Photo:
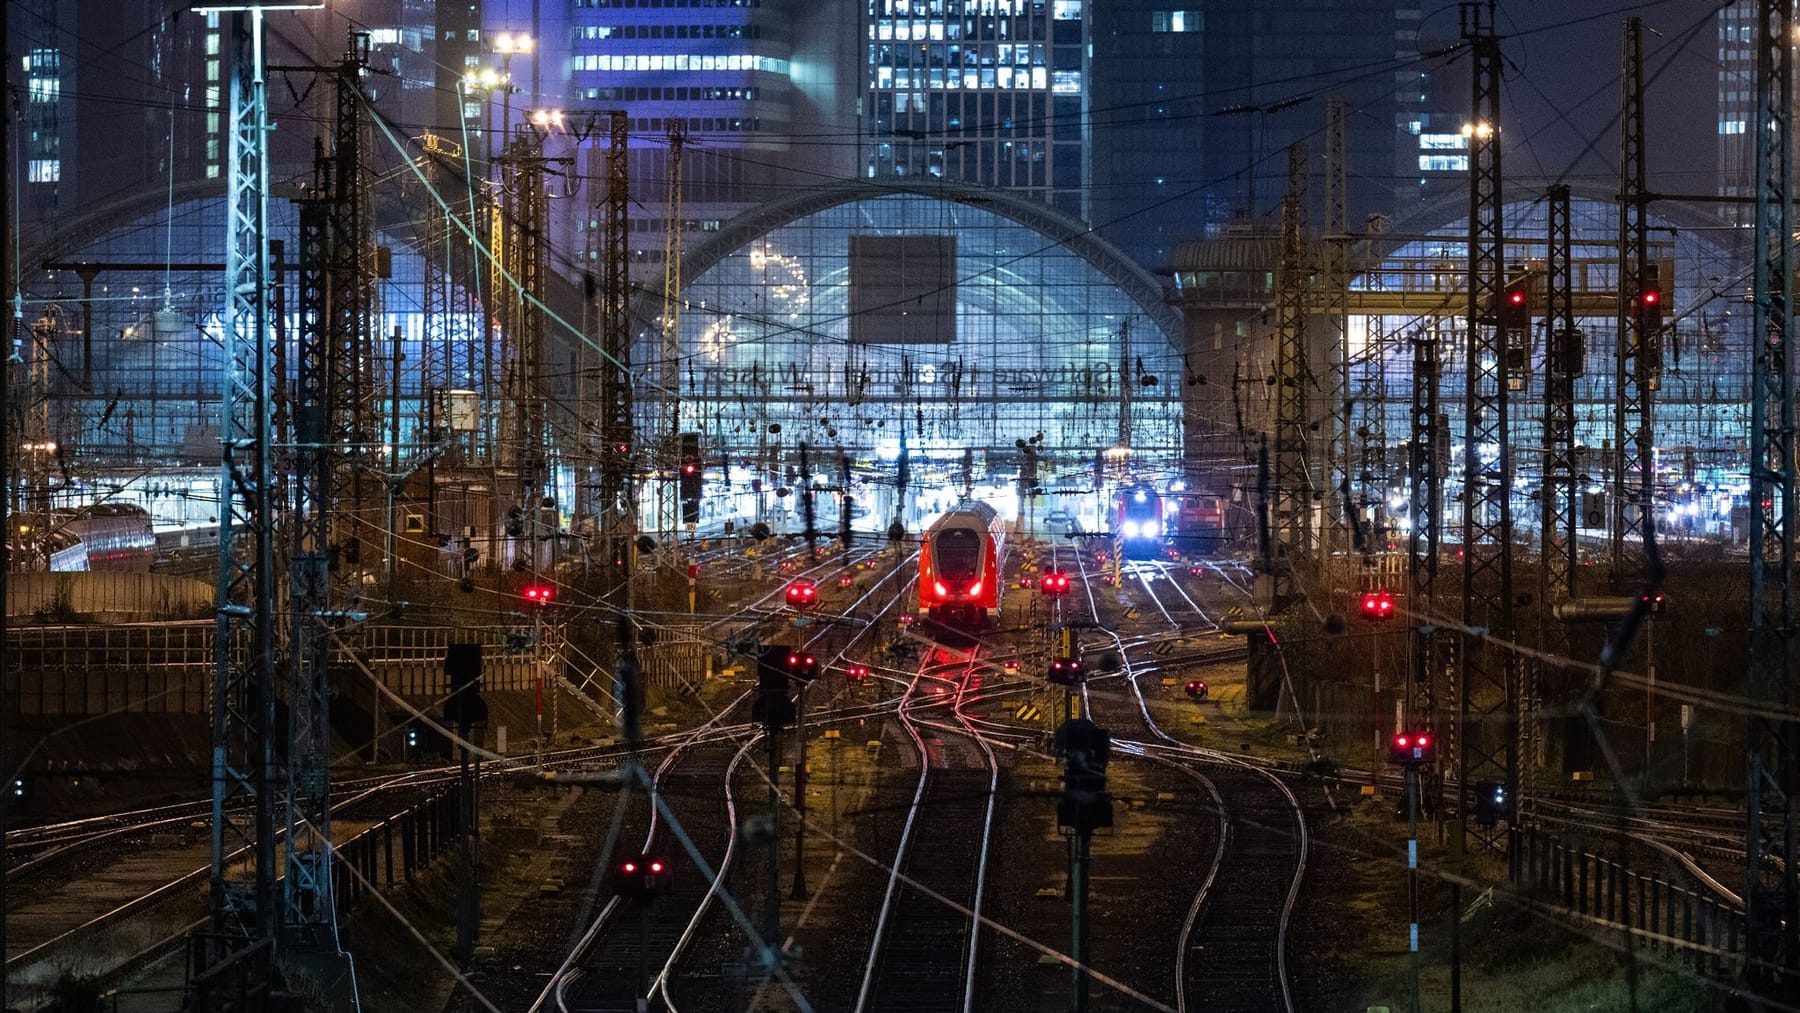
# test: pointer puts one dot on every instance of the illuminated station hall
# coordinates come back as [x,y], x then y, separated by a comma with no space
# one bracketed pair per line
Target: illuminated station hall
[901,505]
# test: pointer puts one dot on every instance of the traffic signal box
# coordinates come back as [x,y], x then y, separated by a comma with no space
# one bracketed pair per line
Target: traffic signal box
[1514,311]
[1379,606]
[1492,803]
[1412,749]
[643,877]
[802,666]
[1514,317]
[690,478]
[1647,312]
[1066,671]
[1647,302]
[1085,749]
[772,706]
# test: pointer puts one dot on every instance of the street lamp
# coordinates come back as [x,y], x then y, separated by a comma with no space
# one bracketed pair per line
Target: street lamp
[508,45]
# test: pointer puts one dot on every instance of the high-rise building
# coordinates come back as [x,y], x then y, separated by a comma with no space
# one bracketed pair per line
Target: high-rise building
[1192,111]
[1737,106]
[991,92]
[763,89]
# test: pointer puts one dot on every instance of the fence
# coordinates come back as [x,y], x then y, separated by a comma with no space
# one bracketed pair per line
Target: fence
[168,668]
[1689,923]
[671,661]
[393,851]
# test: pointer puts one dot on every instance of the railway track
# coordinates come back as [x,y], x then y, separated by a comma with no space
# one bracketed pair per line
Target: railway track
[627,953]
[1231,950]
[927,936]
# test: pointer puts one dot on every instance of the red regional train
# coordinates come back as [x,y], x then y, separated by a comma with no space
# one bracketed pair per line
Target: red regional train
[960,566]
[1139,529]
[1200,522]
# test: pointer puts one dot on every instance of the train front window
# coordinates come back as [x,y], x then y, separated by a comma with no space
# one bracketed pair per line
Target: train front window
[958,552]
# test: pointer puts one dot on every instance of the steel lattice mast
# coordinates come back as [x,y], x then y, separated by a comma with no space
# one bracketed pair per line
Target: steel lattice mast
[349,390]
[1425,480]
[306,885]
[1293,480]
[1563,355]
[668,513]
[1485,747]
[1373,476]
[1637,365]
[617,516]
[233,965]
[527,221]
[1772,912]
[1336,249]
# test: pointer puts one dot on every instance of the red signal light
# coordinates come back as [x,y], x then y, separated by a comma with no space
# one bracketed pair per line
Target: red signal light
[1411,749]
[1652,297]
[1515,297]
[1378,605]
[689,468]
[539,594]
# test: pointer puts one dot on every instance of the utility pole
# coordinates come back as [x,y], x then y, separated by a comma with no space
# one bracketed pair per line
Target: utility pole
[1293,478]
[1771,900]
[1638,362]
[1486,746]
[1564,353]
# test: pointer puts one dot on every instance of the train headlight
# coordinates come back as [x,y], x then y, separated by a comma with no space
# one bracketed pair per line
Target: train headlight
[975,587]
[1152,529]
[1131,529]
